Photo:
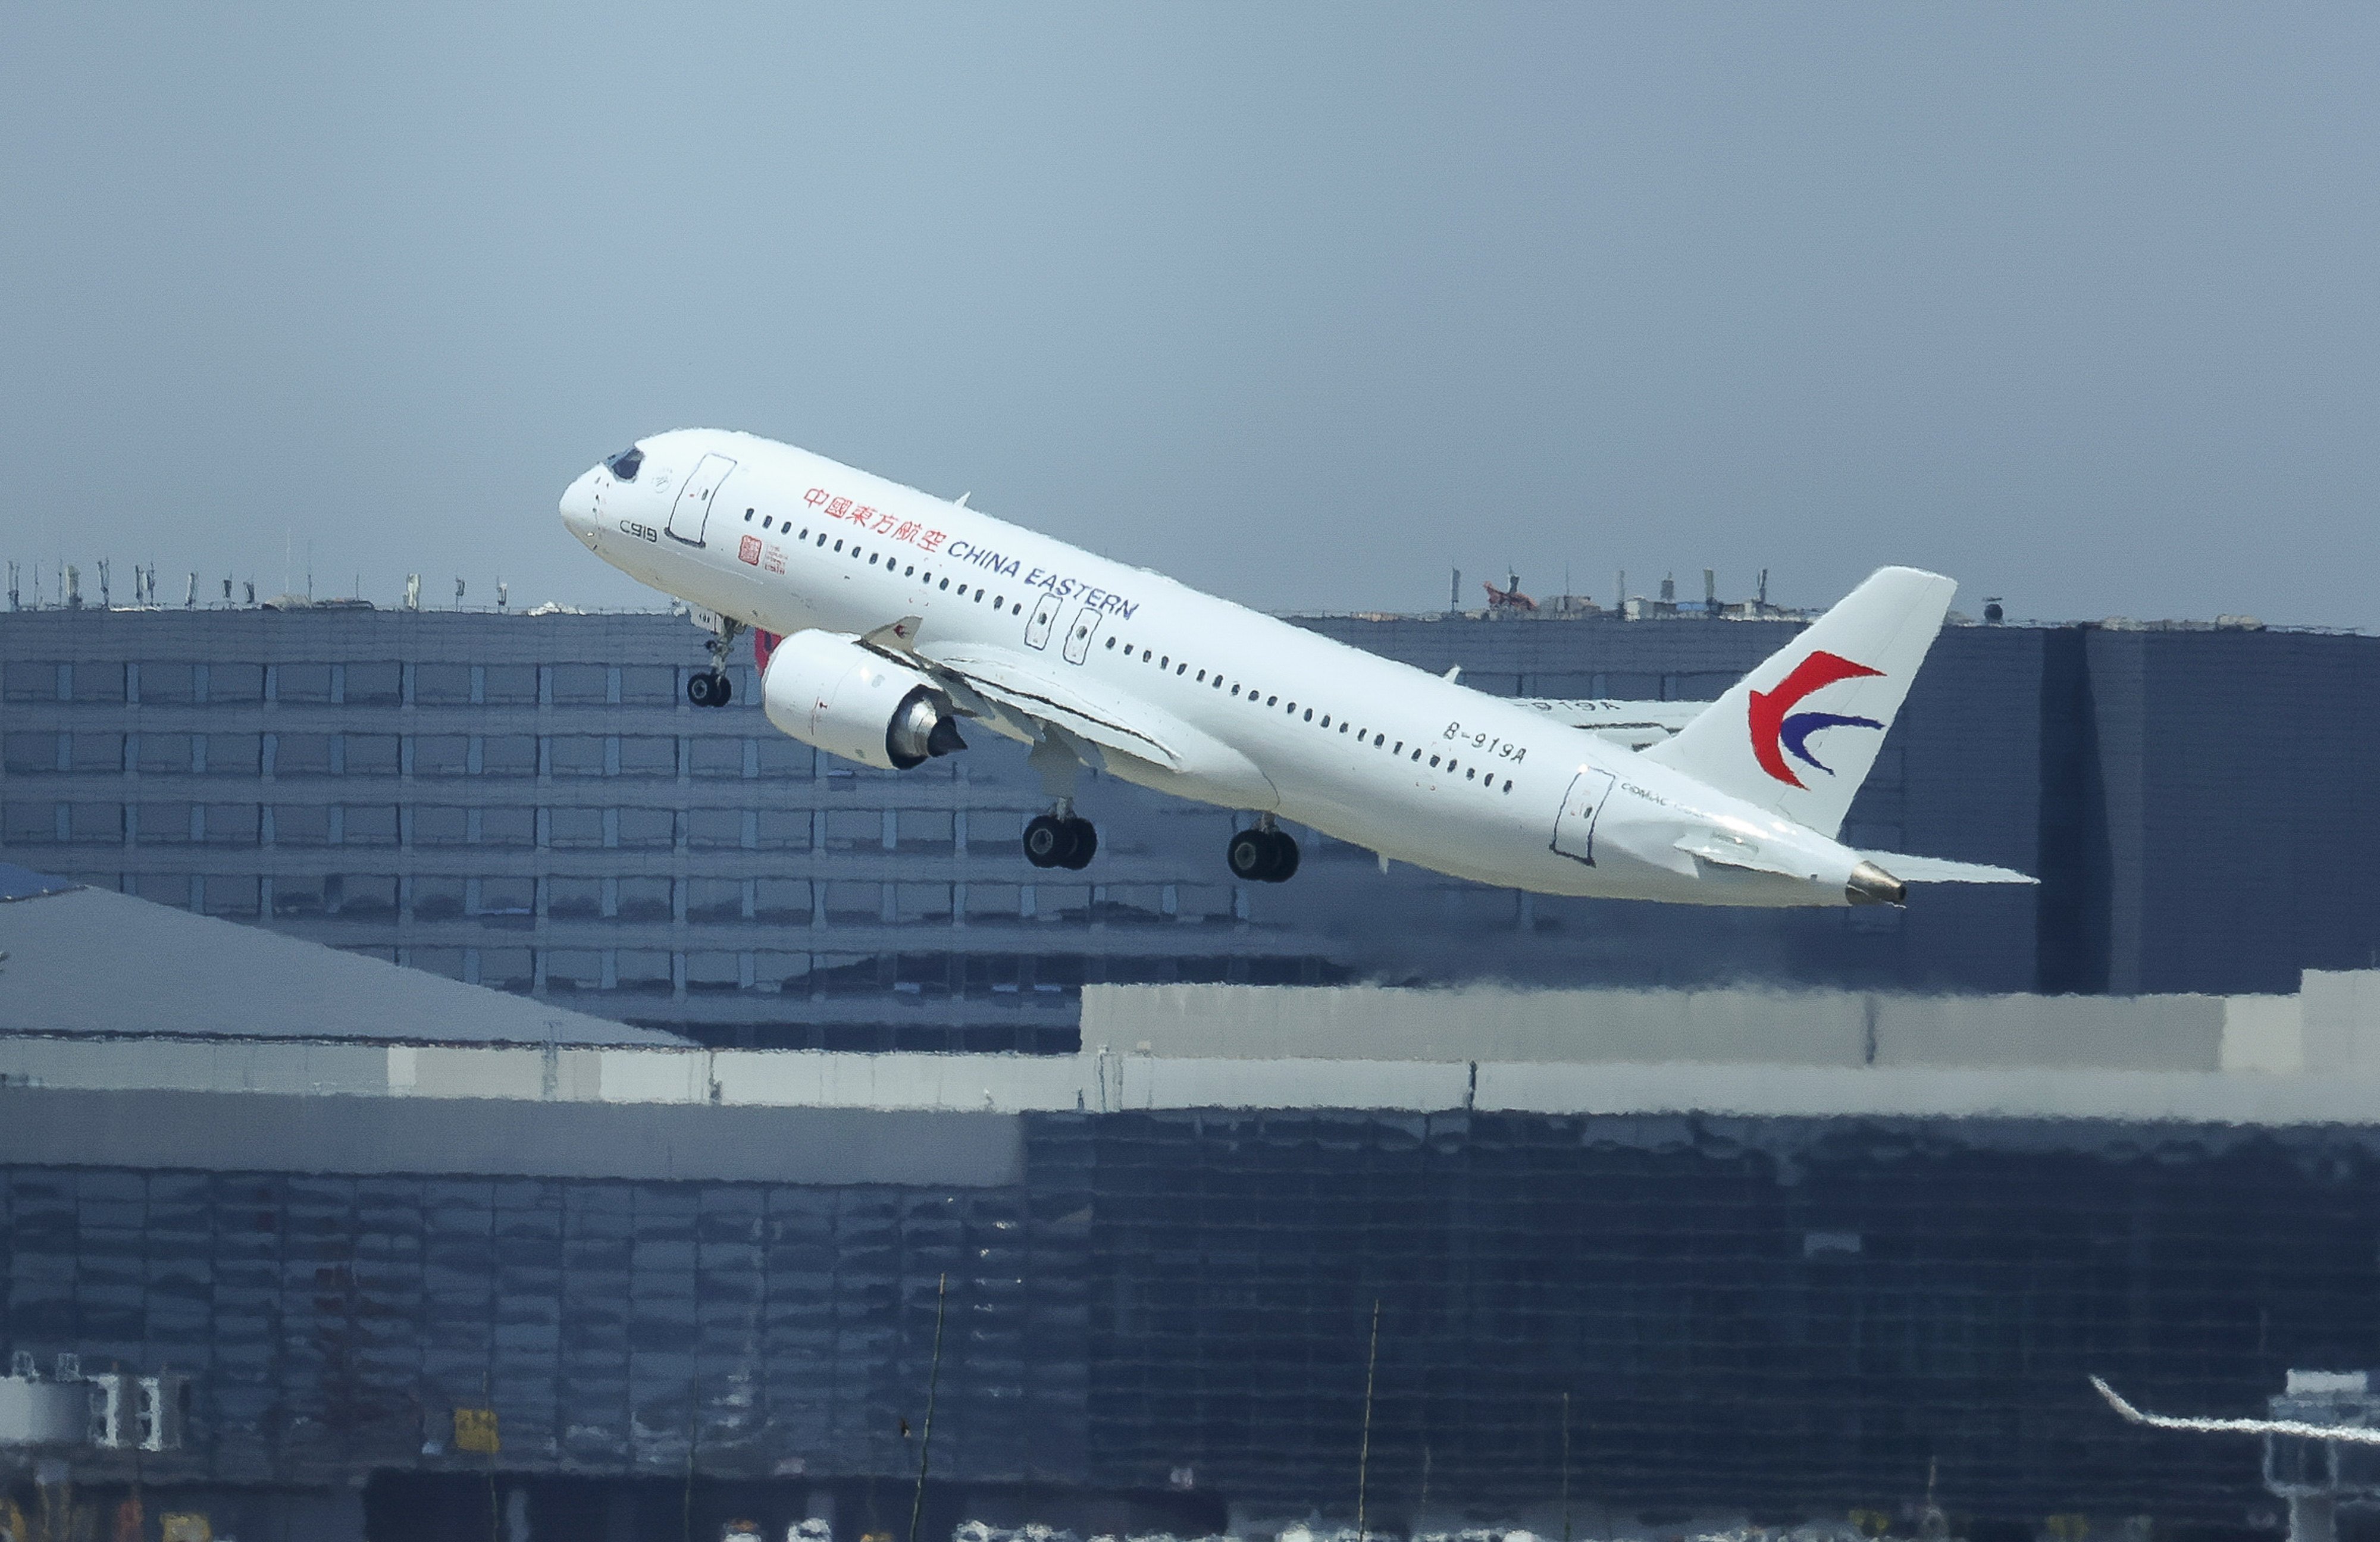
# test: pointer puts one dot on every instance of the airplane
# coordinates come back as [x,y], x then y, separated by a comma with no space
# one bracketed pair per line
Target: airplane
[907,620]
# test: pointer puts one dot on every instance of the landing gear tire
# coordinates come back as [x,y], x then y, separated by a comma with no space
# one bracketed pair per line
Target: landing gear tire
[1052,841]
[1261,855]
[714,688]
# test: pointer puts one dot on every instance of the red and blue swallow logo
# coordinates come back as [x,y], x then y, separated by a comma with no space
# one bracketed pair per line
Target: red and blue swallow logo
[1774,735]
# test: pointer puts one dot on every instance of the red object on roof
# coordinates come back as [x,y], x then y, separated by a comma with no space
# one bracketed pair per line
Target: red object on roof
[1509,598]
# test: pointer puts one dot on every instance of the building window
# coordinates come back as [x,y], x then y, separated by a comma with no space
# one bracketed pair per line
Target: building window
[581,685]
[301,755]
[96,823]
[372,754]
[642,971]
[572,969]
[644,899]
[29,680]
[713,758]
[575,826]
[782,901]
[291,682]
[365,896]
[165,824]
[575,754]
[441,684]
[441,755]
[441,827]
[229,684]
[782,829]
[375,685]
[506,899]
[508,685]
[300,825]
[235,755]
[648,828]
[648,685]
[508,755]
[437,897]
[96,754]
[367,824]
[574,899]
[648,755]
[29,824]
[162,754]
[30,753]
[507,826]
[229,895]
[714,828]
[716,901]
[231,824]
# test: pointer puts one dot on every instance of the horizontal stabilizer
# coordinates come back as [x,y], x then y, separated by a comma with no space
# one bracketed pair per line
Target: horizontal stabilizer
[2306,1429]
[1934,869]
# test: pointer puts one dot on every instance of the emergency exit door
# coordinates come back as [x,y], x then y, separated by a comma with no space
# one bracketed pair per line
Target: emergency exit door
[1574,827]
[1036,629]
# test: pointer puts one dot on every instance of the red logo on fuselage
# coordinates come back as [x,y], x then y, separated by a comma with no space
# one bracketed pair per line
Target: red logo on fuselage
[1773,733]
[749,549]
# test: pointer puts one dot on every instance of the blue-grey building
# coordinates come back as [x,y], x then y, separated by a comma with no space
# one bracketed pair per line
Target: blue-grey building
[527,802]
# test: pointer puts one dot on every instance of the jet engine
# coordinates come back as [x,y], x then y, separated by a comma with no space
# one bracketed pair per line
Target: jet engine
[826,690]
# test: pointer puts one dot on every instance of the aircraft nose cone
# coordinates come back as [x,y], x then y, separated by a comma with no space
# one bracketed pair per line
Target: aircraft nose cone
[578,504]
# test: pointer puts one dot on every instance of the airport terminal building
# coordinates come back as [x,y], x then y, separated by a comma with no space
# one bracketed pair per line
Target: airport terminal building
[1682,1256]
[528,802]
[723,1077]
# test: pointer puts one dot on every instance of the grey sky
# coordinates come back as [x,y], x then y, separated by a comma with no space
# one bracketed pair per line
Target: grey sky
[1302,304]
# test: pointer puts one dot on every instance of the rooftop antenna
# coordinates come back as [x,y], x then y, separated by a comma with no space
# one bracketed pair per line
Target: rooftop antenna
[310,571]
[227,590]
[13,603]
[1710,592]
[503,594]
[459,594]
[251,591]
[104,602]
[1763,588]
[1454,594]
[1620,596]
[190,595]
[74,587]
[412,592]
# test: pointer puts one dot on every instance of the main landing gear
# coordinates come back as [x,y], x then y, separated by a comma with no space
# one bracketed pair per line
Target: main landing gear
[1263,855]
[1061,839]
[715,687]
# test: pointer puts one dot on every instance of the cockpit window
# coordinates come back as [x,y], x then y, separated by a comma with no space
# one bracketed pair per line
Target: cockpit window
[624,465]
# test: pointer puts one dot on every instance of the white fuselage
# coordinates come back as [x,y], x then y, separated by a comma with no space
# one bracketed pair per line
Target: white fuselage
[1263,716]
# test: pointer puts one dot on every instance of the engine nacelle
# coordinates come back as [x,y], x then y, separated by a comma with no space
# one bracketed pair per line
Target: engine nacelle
[826,690]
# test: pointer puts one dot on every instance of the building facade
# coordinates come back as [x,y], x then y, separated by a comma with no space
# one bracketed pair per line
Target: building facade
[528,803]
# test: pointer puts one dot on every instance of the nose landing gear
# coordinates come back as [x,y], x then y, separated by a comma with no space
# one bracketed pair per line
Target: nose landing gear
[1264,854]
[1061,839]
[715,687]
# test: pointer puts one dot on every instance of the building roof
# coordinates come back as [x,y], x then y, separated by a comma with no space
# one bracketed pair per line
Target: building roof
[88,961]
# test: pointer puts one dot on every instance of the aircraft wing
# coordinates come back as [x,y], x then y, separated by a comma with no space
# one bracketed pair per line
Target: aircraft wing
[1633,723]
[2351,1434]
[1014,693]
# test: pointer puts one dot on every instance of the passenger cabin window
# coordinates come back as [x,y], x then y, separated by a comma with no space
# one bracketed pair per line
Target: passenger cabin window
[625,465]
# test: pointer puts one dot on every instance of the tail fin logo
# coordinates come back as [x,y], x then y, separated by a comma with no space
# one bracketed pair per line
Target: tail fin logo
[1775,734]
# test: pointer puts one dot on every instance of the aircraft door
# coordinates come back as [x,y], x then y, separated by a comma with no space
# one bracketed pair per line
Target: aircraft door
[691,513]
[1574,826]
[1045,612]
[1079,636]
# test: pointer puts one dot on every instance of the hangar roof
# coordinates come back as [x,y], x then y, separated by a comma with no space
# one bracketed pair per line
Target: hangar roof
[88,961]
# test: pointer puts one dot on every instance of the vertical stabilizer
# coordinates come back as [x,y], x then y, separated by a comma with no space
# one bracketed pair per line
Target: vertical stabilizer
[1798,733]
